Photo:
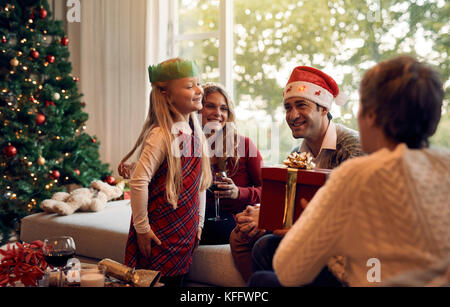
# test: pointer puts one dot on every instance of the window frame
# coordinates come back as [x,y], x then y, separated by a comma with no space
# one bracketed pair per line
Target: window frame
[224,34]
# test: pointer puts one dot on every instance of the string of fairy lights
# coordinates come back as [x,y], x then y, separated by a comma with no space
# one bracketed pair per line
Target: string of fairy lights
[16,103]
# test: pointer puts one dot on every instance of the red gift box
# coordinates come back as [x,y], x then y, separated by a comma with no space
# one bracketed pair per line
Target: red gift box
[282,190]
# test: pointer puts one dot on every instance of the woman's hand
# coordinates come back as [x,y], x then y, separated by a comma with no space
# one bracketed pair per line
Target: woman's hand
[144,242]
[126,169]
[229,189]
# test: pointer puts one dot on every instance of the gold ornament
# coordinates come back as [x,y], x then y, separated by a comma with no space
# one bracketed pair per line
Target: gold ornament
[41,161]
[14,62]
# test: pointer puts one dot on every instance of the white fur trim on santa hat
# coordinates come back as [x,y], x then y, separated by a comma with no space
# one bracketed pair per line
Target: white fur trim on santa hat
[314,93]
[309,91]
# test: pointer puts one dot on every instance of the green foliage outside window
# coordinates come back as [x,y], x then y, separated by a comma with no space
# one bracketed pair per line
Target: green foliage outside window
[343,38]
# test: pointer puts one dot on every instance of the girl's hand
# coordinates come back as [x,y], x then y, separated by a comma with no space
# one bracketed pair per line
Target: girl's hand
[199,233]
[125,169]
[144,242]
[229,189]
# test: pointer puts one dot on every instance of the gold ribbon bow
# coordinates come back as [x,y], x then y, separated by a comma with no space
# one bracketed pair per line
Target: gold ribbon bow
[294,162]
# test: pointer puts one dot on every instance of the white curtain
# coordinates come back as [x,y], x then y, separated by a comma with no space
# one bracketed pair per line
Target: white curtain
[114,44]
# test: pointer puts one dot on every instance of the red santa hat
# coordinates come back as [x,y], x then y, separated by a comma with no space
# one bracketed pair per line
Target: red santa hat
[315,85]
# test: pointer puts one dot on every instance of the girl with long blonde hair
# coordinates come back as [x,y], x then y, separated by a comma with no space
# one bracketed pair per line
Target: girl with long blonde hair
[169,180]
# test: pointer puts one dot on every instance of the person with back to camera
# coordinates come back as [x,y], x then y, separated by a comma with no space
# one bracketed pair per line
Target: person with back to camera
[392,206]
[242,163]
[168,182]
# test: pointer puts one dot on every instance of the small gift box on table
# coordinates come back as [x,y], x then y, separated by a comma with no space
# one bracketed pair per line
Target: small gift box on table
[283,188]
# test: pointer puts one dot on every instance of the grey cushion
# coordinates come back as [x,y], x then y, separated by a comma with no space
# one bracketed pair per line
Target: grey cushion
[97,234]
[104,234]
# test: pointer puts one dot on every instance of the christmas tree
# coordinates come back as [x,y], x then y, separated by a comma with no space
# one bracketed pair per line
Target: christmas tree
[43,144]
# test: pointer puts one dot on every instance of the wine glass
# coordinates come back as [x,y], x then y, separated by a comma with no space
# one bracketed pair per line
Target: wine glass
[217,178]
[57,250]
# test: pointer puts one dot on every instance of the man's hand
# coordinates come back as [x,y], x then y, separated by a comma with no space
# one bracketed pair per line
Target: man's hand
[247,221]
[144,242]
[282,232]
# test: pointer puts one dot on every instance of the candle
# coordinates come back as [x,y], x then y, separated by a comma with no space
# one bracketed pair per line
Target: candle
[92,279]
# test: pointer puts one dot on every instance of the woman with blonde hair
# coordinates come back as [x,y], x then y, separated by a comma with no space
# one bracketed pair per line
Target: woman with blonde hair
[234,154]
[169,180]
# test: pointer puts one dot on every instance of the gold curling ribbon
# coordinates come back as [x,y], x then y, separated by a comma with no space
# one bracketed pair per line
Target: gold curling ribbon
[289,205]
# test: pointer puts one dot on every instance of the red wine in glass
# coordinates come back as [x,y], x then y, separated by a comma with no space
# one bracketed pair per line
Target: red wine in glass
[57,250]
[58,259]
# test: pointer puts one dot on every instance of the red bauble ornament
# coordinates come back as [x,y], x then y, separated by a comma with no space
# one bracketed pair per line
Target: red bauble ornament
[55,174]
[40,119]
[76,79]
[64,41]
[34,54]
[10,151]
[42,13]
[50,58]
[94,141]
[49,103]
[4,40]
[110,180]
[77,172]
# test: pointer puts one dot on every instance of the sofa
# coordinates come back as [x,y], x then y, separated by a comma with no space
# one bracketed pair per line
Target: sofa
[103,234]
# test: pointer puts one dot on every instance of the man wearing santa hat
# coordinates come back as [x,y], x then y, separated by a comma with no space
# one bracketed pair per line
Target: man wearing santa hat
[307,100]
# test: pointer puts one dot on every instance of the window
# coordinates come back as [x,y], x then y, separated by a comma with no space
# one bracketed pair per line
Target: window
[251,46]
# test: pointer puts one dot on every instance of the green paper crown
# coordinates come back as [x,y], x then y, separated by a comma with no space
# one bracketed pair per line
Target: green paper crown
[172,70]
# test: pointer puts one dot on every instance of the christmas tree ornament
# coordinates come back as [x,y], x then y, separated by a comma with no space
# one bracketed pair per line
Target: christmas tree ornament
[76,79]
[49,103]
[14,62]
[34,54]
[50,58]
[94,140]
[56,96]
[64,41]
[4,41]
[40,119]
[110,180]
[10,151]
[41,161]
[55,174]
[77,171]
[42,13]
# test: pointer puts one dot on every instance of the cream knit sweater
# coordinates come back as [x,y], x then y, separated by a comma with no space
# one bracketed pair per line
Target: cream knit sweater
[391,205]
